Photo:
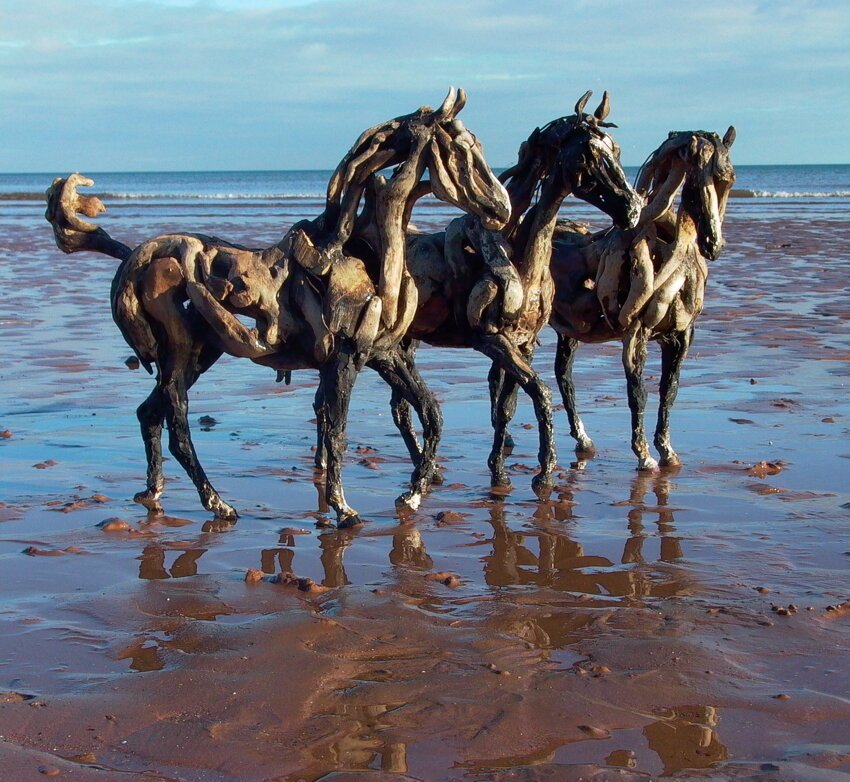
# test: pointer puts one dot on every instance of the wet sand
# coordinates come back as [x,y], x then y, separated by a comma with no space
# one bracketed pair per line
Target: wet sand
[691,622]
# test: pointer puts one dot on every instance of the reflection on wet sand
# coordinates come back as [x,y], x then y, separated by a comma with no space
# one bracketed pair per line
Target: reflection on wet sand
[152,563]
[563,565]
[361,746]
[660,485]
[686,738]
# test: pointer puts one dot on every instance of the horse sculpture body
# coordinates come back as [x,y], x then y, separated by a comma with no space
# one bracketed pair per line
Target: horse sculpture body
[176,298]
[492,291]
[647,283]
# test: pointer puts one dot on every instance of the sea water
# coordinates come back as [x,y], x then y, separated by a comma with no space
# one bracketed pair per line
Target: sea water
[760,191]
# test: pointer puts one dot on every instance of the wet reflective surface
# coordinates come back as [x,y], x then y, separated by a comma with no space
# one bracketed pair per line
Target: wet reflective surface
[628,624]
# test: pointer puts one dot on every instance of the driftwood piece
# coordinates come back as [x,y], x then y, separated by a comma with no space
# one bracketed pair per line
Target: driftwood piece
[72,233]
[641,282]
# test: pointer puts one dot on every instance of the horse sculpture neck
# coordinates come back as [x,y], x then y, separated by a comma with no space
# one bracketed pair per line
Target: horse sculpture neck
[533,236]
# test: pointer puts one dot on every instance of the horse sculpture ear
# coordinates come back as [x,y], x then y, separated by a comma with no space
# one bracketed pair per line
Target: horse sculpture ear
[604,107]
[729,138]
[461,101]
[582,102]
[447,110]
[691,150]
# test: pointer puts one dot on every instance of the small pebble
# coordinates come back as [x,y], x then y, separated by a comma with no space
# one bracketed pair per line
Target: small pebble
[5,434]
[782,697]
[132,362]
[594,732]
[48,771]
[449,517]
[114,524]
[311,587]
[86,758]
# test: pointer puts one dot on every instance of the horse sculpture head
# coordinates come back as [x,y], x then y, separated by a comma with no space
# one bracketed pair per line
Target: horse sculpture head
[579,151]
[427,139]
[699,161]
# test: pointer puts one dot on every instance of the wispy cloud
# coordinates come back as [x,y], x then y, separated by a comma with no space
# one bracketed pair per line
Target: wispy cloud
[286,83]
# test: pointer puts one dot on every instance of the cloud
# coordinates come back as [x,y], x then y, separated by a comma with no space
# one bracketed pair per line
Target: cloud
[273,84]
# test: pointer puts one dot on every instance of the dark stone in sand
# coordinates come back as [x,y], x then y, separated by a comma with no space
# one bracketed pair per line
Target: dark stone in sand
[132,362]
[114,524]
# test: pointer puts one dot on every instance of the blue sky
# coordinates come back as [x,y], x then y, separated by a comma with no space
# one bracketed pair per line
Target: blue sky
[116,85]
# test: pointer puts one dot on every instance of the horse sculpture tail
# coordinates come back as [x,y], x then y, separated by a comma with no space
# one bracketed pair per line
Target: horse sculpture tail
[74,234]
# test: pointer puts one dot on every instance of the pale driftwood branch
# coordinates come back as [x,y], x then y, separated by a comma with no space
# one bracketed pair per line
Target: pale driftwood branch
[73,234]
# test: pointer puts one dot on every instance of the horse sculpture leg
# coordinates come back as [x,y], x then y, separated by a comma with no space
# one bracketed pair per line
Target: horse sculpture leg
[398,370]
[400,408]
[503,398]
[565,355]
[403,420]
[517,366]
[182,357]
[337,378]
[151,415]
[321,458]
[634,357]
[174,388]
[674,348]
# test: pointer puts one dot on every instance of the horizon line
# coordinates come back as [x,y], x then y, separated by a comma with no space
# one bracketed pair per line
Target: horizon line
[312,170]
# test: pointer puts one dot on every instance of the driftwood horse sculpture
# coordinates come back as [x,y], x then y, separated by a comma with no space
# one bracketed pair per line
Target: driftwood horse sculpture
[176,298]
[647,283]
[492,290]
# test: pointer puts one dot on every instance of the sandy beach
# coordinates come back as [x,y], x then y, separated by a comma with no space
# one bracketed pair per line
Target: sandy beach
[691,622]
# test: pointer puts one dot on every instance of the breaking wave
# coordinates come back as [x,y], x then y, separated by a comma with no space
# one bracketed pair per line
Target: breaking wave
[788,194]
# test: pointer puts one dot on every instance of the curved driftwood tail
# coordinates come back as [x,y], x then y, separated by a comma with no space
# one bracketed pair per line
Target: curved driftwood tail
[73,234]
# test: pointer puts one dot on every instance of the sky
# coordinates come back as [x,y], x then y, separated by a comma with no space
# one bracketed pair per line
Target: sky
[161,85]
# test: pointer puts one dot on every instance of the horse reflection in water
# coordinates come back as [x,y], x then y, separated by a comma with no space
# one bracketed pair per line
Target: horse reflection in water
[686,738]
[152,562]
[563,565]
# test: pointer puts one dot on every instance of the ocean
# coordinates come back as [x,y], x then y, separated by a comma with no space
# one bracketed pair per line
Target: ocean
[761,192]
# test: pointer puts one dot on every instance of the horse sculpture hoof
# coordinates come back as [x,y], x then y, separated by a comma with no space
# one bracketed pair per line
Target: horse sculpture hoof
[410,500]
[500,479]
[222,510]
[149,499]
[542,483]
[350,521]
[585,447]
[647,464]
